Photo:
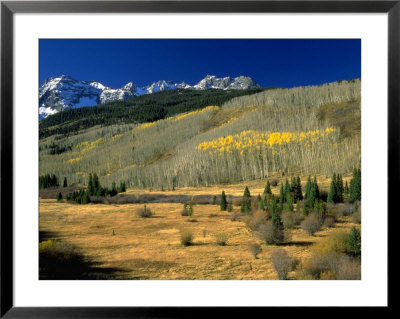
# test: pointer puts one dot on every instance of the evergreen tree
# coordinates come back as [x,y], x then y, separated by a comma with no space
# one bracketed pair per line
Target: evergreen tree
[267,190]
[223,204]
[85,198]
[289,203]
[339,188]
[315,188]
[90,188]
[246,201]
[355,186]
[332,195]
[308,187]
[346,188]
[113,189]
[297,191]
[266,203]
[65,182]
[96,183]
[354,242]
[59,197]
[287,188]
[275,217]
[246,192]
[293,184]
[281,197]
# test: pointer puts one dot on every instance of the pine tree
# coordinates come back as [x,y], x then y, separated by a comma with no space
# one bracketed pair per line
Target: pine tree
[59,197]
[289,203]
[297,191]
[281,197]
[90,188]
[355,186]
[339,188]
[96,183]
[332,195]
[293,184]
[246,201]
[246,192]
[267,190]
[275,217]
[266,203]
[316,188]
[354,242]
[85,199]
[223,204]
[346,189]
[287,188]
[65,182]
[308,187]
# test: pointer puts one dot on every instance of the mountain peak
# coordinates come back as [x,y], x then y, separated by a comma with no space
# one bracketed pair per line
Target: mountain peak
[63,92]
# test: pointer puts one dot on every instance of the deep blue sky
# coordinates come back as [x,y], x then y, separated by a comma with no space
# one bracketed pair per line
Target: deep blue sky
[284,63]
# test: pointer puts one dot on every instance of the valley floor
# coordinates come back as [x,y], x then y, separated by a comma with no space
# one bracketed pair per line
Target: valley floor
[113,237]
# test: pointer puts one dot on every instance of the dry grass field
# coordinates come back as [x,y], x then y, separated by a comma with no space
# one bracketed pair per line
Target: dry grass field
[112,237]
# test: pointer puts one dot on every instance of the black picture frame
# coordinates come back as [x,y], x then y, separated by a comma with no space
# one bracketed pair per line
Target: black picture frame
[9,8]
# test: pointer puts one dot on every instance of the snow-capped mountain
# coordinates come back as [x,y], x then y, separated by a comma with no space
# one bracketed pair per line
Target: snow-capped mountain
[63,92]
[226,83]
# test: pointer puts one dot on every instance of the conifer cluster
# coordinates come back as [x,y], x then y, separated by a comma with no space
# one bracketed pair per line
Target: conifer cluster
[48,180]
[336,190]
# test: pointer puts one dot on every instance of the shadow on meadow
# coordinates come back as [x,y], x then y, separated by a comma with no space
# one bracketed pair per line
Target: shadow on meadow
[59,260]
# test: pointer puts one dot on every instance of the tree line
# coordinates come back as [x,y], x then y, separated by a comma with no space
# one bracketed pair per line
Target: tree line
[145,108]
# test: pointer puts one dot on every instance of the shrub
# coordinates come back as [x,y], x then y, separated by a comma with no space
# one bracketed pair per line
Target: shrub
[184,212]
[270,234]
[187,210]
[274,182]
[291,219]
[58,250]
[336,243]
[316,265]
[357,216]
[257,219]
[237,201]
[229,208]
[235,216]
[144,212]
[349,268]
[347,209]
[255,249]
[311,224]
[282,263]
[186,238]
[222,239]
[329,222]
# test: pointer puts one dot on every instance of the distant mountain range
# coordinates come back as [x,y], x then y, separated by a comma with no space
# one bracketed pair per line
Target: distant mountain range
[64,92]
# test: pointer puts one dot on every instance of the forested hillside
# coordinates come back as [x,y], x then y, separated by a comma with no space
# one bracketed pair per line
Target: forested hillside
[140,109]
[307,130]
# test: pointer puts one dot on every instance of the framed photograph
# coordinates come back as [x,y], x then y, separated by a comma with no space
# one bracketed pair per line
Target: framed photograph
[161,155]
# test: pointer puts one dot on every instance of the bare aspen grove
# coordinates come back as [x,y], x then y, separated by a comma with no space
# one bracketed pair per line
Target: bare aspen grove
[265,186]
[290,131]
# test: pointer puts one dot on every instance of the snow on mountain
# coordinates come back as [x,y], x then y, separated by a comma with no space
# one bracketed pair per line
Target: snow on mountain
[226,83]
[64,92]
